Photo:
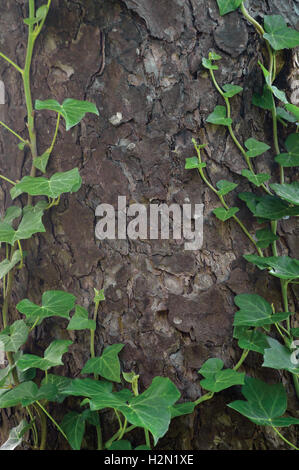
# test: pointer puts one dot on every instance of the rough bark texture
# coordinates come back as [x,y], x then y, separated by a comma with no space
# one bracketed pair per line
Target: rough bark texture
[173,309]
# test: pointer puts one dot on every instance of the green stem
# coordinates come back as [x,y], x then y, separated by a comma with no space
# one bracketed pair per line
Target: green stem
[284,439]
[205,397]
[8,180]
[147,438]
[242,359]
[55,133]
[116,435]
[52,419]
[11,62]
[123,430]
[14,133]
[34,430]
[43,424]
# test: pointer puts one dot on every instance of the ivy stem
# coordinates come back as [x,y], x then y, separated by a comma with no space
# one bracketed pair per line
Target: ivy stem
[284,439]
[242,359]
[116,435]
[51,418]
[8,180]
[14,133]
[11,62]
[205,397]
[55,133]
[231,131]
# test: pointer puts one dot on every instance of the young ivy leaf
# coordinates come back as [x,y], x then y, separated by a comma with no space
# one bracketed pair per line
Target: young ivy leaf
[279,357]
[52,356]
[41,162]
[282,267]
[73,111]
[226,6]
[288,192]
[278,34]
[80,320]
[193,162]
[251,339]
[207,63]
[291,158]
[284,115]
[55,303]
[256,179]
[73,424]
[62,182]
[219,117]
[14,336]
[223,214]
[255,311]
[265,238]
[265,403]
[107,365]
[276,92]
[7,265]
[292,108]
[214,56]
[231,90]
[225,187]
[30,224]
[217,379]
[255,147]
[263,101]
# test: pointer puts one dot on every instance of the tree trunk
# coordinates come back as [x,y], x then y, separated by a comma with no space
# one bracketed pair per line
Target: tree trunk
[140,63]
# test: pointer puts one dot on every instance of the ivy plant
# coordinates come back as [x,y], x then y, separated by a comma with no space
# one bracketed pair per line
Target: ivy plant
[258,326]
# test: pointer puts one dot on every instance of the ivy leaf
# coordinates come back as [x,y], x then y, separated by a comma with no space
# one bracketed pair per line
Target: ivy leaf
[181,409]
[223,214]
[231,90]
[251,339]
[279,357]
[219,117]
[255,147]
[73,424]
[12,213]
[276,92]
[223,379]
[278,34]
[121,445]
[61,182]
[284,115]
[211,367]
[73,111]
[293,109]
[256,179]
[80,320]
[225,187]
[226,6]
[25,394]
[41,162]
[265,403]
[7,265]
[255,311]
[292,157]
[61,383]
[88,388]
[282,267]
[207,63]
[14,336]
[16,435]
[30,224]
[107,365]
[265,238]
[288,192]
[263,101]
[267,207]
[55,303]
[214,56]
[52,356]
[193,162]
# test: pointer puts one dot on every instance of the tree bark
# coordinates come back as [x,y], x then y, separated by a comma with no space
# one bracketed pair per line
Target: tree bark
[140,63]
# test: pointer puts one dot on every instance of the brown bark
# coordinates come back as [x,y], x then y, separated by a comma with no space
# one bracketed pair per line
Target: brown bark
[153,76]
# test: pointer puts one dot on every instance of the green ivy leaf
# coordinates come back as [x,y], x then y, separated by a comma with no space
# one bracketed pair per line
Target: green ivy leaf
[55,303]
[30,224]
[52,356]
[279,357]
[73,424]
[278,34]
[7,265]
[256,179]
[265,403]
[89,388]
[25,394]
[226,6]
[14,336]
[207,63]
[263,101]
[223,379]
[255,147]
[251,339]
[41,162]
[211,367]
[284,115]
[225,187]
[255,311]
[214,56]
[59,183]
[193,162]
[181,409]
[219,117]
[80,320]
[265,238]
[223,214]
[288,192]
[267,207]
[282,267]
[292,157]
[73,111]
[107,365]
[293,109]
[120,445]
[61,383]
[12,213]
[231,90]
